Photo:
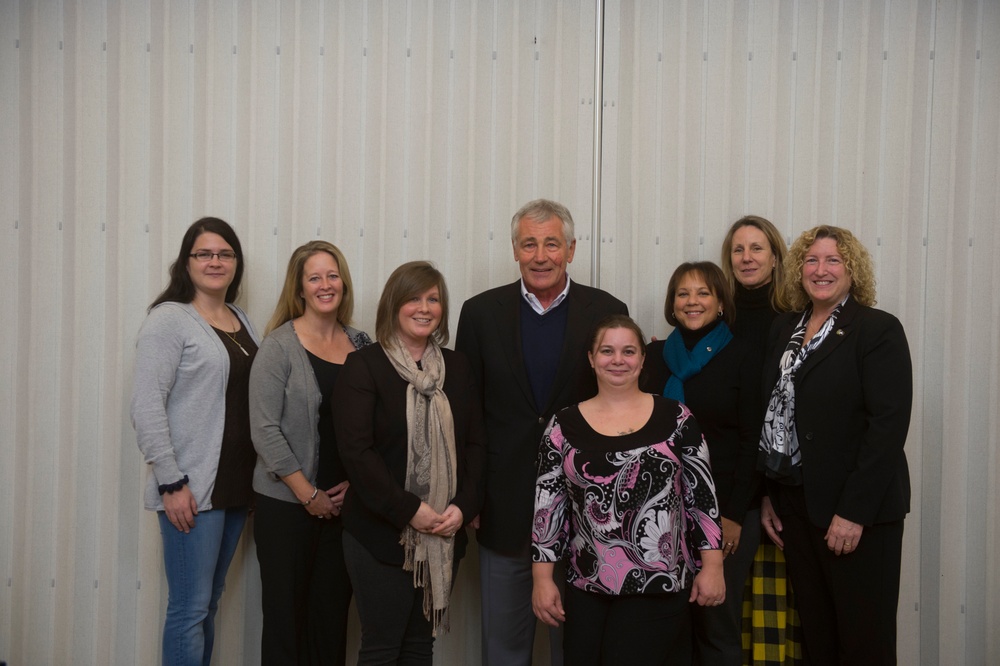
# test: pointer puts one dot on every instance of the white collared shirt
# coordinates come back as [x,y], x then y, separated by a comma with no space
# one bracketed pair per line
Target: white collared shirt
[536,304]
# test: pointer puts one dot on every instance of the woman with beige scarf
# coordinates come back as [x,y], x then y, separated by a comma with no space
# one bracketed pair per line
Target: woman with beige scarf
[410,434]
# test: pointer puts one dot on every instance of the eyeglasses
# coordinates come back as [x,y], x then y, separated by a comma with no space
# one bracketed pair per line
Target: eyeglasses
[206,256]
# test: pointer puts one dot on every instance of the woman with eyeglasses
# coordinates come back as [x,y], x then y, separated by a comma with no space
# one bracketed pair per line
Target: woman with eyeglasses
[300,482]
[191,416]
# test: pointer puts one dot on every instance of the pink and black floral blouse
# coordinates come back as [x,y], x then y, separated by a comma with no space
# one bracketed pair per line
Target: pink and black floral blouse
[630,512]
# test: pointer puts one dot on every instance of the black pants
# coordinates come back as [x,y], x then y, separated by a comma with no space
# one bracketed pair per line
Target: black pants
[393,627]
[847,604]
[305,590]
[718,630]
[647,629]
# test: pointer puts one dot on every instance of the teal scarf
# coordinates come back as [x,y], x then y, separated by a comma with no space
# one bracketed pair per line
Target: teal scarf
[685,364]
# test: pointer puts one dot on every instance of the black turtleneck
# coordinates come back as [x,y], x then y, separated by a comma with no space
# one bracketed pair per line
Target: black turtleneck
[691,338]
[754,315]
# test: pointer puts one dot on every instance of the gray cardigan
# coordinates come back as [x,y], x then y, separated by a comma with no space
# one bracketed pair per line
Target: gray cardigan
[284,411]
[179,399]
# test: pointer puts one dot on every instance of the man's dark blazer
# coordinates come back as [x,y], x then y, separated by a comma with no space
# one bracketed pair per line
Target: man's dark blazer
[852,411]
[489,334]
[369,414]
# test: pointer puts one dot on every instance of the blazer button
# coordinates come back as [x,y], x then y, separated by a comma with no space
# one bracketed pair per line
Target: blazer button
[809,436]
[541,420]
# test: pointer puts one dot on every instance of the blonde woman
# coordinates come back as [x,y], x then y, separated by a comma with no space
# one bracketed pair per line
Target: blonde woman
[299,480]
[839,384]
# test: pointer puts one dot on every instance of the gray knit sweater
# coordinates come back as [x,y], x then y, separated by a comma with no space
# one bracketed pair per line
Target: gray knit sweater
[284,411]
[179,399]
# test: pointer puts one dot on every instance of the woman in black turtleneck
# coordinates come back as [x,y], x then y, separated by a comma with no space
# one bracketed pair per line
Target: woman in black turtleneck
[752,255]
[717,376]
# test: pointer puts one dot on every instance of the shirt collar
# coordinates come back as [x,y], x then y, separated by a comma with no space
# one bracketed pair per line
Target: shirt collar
[536,305]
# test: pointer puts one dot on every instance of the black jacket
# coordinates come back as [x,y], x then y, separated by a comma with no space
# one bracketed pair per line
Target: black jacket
[725,400]
[852,412]
[489,335]
[369,413]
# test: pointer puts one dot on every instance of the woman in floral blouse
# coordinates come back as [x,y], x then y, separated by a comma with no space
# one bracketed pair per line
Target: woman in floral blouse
[625,494]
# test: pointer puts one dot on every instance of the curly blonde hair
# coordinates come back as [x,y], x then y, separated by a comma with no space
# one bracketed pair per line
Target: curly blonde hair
[856,259]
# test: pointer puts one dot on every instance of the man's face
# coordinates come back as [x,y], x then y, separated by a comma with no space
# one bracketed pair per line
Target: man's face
[543,253]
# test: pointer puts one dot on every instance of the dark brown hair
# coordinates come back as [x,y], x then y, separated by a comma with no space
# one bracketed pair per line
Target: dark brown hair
[180,289]
[717,284]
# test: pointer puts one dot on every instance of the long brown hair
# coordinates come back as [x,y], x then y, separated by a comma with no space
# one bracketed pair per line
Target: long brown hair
[180,289]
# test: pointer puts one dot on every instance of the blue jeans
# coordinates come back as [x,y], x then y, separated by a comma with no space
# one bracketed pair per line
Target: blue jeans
[196,565]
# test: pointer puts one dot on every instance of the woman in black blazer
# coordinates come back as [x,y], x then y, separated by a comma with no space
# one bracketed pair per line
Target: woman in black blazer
[409,430]
[717,375]
[839,386]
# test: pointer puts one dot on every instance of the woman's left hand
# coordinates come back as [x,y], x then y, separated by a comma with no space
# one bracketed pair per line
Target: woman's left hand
[843,536]
[709,588]
[451,522]
[730,536]
[336,495]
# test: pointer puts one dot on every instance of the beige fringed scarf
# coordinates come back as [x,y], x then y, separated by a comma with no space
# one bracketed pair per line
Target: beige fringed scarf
[431,473]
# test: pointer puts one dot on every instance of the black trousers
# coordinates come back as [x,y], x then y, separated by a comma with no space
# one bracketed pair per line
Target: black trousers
[718,630]
[305,590]
[847,604]
[393,627]
[607,630]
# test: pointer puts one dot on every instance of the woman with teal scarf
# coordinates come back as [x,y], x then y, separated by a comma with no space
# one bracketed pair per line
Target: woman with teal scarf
[718,377]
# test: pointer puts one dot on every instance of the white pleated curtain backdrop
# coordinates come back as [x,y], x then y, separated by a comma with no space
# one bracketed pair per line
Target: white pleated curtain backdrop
[412,129]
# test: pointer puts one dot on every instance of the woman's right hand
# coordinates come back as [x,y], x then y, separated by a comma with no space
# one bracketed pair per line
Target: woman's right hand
[770,522]
[180,508]
[545,600]
[321,506]
[425,519]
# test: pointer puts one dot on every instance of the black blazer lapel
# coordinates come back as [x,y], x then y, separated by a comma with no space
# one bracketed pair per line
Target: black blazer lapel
[842,330]
[507,318]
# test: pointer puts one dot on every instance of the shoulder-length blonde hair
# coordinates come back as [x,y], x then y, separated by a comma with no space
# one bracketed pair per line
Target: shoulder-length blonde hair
[857,261]
[409,280]
[290,302]
[778,249]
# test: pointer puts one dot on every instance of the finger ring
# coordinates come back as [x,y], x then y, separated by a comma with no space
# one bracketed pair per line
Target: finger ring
[729,543]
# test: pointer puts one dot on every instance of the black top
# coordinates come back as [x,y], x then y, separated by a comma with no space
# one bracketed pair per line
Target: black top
[725,399]
[234,479]
[330,470]
[754,315]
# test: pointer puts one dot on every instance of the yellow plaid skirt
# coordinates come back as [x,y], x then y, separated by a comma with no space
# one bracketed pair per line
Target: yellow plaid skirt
[771,631]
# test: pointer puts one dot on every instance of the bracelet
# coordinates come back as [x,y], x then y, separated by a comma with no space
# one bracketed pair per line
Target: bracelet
[170,488]
[311,497]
